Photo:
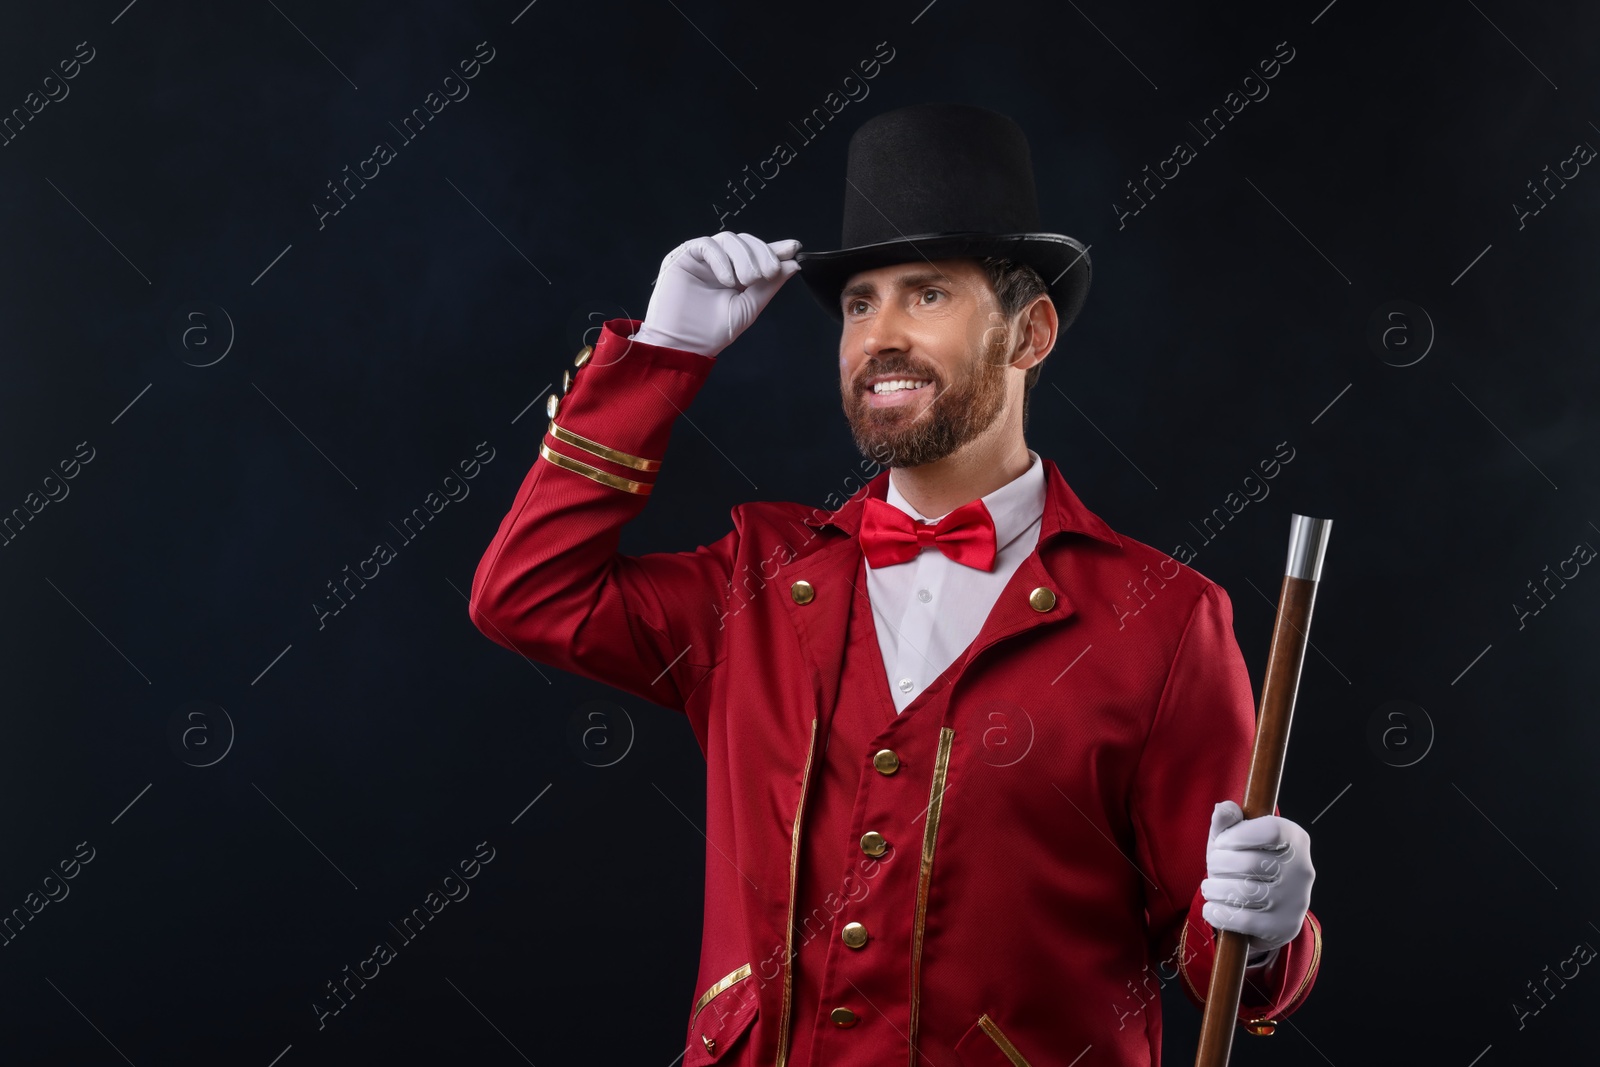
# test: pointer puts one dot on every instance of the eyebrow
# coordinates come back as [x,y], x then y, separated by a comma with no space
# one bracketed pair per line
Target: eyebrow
[910,280]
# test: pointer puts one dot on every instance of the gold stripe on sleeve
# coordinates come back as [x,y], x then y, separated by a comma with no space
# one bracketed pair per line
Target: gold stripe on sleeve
[638,463]
[594,473]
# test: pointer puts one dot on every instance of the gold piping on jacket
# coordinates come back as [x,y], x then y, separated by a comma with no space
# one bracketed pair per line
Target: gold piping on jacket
[595,473]
[738,974]
[788,931]
[1188,980]
[1316,954]
[615,455]
[930,834]
[992,1028]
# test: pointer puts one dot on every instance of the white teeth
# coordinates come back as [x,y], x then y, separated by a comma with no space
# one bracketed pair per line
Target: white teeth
[898,384]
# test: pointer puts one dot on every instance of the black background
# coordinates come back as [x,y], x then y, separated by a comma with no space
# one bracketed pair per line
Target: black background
[371,355]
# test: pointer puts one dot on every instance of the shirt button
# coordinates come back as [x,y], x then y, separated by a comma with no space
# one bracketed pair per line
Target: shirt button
[843,1017]
[886,761]
[874,843]
[924,596]
[906,685]
[854,935]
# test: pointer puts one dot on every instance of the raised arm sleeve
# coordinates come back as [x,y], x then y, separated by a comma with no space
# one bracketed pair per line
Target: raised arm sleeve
[553,586]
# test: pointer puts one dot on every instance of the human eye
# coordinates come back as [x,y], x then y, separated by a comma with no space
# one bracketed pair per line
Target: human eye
[930,291]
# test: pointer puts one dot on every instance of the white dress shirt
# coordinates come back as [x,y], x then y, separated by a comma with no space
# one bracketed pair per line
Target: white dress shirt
[928,609]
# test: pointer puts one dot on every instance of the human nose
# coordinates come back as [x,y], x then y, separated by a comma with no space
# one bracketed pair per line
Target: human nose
[886,331]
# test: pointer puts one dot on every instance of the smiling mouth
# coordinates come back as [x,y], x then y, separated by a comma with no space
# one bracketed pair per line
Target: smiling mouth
[896,391]
[898,384]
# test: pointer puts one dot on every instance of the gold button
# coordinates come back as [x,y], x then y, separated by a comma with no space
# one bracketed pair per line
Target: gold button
[873,843]
[886,761]
[1260,1027]
[551,405]
[802,592]
[711,1043]
[566,380]
[843,1017]
[853,934]
[1042,599]
[583,355]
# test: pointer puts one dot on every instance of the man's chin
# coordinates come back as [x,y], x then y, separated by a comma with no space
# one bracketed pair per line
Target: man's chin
[904,448]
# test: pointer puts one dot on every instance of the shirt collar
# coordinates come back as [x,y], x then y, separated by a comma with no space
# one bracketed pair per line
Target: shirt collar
[1014,506]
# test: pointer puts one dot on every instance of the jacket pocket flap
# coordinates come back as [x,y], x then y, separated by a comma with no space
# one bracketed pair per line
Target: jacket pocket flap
[986,1045]
[721,1020]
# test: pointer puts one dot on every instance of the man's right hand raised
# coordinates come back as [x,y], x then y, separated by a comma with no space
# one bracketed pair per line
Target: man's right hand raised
[711,288]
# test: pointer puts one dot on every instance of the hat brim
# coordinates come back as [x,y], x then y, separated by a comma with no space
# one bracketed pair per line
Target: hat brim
[1062,261]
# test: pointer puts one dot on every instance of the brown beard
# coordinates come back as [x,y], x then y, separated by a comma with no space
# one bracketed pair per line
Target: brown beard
[958,413]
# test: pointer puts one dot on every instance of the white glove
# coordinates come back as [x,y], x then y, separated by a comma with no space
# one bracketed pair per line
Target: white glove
[711,288]
[1260,877]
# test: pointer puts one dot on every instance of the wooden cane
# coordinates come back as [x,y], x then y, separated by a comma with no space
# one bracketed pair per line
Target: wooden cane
[1308,540]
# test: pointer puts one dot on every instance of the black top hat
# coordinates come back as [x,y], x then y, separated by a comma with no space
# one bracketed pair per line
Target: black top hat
[934,181]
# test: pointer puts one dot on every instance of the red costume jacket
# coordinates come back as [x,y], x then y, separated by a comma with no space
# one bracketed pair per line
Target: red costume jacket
[1028,908]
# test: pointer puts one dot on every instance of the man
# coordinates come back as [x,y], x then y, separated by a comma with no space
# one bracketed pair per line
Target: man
[958,771]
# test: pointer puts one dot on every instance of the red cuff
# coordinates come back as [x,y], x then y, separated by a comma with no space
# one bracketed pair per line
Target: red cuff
[1269,995]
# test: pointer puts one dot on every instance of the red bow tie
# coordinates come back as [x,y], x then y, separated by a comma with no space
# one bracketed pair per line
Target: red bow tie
[966,535]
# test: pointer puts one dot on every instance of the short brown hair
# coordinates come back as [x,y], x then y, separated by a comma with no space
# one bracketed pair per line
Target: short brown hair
[1015,285]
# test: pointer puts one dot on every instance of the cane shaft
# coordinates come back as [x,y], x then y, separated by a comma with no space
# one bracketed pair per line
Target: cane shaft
[1278,691]
[1279,688]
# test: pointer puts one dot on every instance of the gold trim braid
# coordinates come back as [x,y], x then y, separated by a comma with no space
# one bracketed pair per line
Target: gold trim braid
[992,1028]
[594,473]
[930,834]
[738,974]
[1316,955]
[615,455]
[788,931]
